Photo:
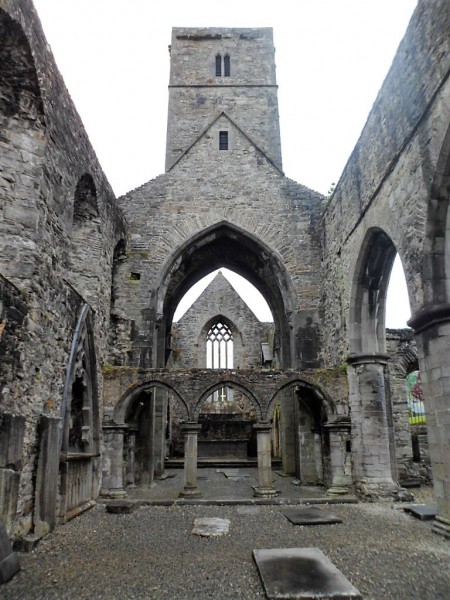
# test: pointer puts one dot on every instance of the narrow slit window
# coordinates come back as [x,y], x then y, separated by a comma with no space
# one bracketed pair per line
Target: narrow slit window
[218,65]
[226,65]
[223,140]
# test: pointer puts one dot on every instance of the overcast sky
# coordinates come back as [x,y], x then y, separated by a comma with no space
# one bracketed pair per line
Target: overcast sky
[331,56]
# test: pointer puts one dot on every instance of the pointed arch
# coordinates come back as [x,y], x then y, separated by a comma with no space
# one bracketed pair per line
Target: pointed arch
[23,136]
[232,383]
[227,245]
[368,295]
[123,406]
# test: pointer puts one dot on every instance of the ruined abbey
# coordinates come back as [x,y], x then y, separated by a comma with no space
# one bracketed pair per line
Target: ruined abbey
[99,387]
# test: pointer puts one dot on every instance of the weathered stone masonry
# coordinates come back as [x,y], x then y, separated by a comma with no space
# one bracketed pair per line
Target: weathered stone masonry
[89,284]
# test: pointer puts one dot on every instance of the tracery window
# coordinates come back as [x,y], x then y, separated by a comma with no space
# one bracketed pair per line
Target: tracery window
[219,355]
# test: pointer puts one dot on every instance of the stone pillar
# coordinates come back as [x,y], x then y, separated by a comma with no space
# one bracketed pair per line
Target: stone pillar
[112,485]
[340,455]
[432,329]
[159,448]
[190,431]
[318,454]
[147,434]
[12,430]
[371,451]
[46,491]
[265,488]
[131,454]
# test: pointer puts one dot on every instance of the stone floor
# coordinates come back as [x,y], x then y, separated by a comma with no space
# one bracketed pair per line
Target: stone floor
[153,553]
[231,485]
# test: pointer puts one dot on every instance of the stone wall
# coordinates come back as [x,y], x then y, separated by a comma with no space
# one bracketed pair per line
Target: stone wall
[45,160]
[218,300]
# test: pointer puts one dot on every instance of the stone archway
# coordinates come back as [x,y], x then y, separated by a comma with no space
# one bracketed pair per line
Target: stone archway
[226,245]
[310,458]
[373,446]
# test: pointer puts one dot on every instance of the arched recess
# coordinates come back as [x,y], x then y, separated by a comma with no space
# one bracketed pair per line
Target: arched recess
[122,408]
[23,143]
[80,447]
[308,454]
[120,329]
[226,245]
[229,382]
[85,250]
[368,296]
[436,257]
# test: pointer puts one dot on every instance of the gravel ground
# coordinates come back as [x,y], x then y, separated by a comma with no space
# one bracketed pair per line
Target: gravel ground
[152,554]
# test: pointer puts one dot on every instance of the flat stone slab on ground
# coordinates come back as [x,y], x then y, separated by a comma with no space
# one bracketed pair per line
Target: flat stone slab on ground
[211,526]
[425,512]
[233,473]
[302,574]
[248,510]
[309,516]
[9,561]
[122,507]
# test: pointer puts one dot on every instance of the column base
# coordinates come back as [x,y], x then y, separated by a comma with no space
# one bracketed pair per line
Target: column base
[265,492]
[441,526]
[338,490]
[371,491]
[190,493]
[114,493]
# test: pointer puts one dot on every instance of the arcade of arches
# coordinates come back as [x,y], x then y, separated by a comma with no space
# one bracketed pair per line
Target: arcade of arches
[100,388]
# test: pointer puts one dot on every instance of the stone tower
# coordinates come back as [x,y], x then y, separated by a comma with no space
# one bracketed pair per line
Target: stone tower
[216,72]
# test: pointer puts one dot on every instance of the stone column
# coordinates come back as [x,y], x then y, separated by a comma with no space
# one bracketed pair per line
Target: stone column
[340,455]
[318,455]
[131,453]
[112,484]
[147,427]
[371,451]
[190,431]
[432,329]
[159,448]
[265,488]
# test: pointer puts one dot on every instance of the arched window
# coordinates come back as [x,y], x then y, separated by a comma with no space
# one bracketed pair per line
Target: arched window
[226,65]
[219,347]
[218,65]
[219,355]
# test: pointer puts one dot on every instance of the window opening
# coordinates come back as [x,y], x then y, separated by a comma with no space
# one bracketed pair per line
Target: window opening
[219,355]
[223,140]
[218,66]
[226,65]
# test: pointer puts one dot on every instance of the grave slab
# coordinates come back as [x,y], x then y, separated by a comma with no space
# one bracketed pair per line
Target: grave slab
[302,574]
[425,512]
[211,526]
[122,507]
[248,510]
[309,516]
[9,562]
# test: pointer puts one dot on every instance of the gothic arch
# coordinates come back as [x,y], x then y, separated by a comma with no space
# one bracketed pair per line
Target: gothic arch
[123,406]
[436,259]
[368,294]
[232,383]
[226,245]
[316,392]
[86,239]
[21,118]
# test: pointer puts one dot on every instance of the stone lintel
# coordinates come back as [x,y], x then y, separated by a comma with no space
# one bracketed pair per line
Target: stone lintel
[191,427]
[343,424]
[376,358]
[428,316]
[262,427]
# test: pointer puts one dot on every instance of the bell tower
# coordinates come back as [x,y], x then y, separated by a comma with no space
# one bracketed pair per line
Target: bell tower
[216,71]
